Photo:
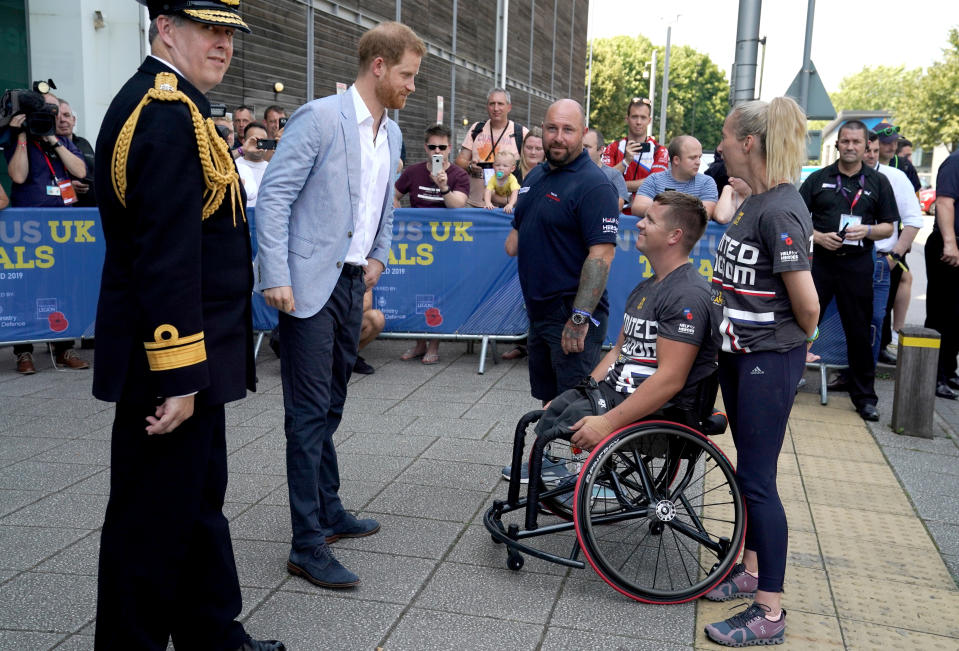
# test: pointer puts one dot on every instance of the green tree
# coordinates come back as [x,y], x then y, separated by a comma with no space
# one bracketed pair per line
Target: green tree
[932,117]
[882,88]
[698,89]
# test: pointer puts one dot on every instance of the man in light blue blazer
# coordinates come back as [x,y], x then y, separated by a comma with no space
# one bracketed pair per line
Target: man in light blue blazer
[324,222]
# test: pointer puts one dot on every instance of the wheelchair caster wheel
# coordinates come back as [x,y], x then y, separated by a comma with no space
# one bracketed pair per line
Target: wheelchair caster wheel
[515,562]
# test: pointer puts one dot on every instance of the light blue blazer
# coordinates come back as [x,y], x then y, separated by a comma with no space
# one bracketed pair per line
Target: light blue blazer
[308,201]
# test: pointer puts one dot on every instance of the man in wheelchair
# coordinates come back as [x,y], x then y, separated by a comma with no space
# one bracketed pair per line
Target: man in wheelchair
[667,346]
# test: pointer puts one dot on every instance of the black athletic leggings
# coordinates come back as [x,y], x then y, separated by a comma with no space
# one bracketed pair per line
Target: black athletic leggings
[758,391]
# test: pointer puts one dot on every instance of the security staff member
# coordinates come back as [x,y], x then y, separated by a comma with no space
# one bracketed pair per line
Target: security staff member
[174,340]
[855,200]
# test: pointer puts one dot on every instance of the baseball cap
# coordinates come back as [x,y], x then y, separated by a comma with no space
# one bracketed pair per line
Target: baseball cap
[887,133]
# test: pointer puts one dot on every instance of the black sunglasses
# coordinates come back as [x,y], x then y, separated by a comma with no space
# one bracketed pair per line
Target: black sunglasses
[435,147]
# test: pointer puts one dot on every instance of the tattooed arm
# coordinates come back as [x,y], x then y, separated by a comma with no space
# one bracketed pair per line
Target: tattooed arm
[592,282]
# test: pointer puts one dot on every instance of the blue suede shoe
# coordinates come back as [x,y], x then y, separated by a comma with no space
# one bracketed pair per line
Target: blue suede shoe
[352,527]
[320,567]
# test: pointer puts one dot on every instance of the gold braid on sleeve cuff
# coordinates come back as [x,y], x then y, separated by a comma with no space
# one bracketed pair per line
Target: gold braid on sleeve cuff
[219,171]
[169,350]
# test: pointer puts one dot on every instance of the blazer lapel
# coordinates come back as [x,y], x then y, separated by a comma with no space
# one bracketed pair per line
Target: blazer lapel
[351,137]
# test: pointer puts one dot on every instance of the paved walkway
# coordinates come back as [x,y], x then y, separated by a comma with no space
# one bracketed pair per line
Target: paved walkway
[420,449]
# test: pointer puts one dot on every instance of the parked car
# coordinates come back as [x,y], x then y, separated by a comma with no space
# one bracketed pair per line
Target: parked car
[927,201]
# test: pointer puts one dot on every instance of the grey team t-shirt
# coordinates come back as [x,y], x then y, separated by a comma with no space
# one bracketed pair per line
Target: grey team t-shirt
[771,233]
[676,308]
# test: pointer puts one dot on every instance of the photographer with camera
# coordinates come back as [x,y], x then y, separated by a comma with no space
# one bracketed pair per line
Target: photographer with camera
[252,165]
[66,123]
[40,164]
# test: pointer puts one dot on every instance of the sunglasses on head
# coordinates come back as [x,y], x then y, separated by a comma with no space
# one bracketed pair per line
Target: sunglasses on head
[888,131]
[640,100]
[435,147]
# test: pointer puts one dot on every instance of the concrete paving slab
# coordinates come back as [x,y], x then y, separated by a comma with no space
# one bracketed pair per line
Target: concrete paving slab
[485,452]
[73,510]
[876,560]
[83,451]
[417,408]
[404,536]
[865,450]
[44,476]
[868,635]
[431,630]
[17,448]
[934,506]
[372,467]
[458,428]
[403,445]
[939,464]
[901,530]
[11,500]
[322,621]
[946,535]
[807,590]
[24,547]
[944,446]
[804,550]
[96,484]
[451,474]
[81,557]
[261,564]
[383,577]
[855,495]
[845,469]
[412,500]
[883,602]
[264,522]
[481,591]
[25,640]
[249,488]
[595,606]
[59,603]
[568,639]
[475,547]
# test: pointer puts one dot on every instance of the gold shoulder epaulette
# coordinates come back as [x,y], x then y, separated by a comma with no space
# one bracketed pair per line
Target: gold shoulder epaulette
[169,350]
[219,172]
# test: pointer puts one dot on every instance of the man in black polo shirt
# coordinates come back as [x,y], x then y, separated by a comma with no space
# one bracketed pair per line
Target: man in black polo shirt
[564,231]
[850,198]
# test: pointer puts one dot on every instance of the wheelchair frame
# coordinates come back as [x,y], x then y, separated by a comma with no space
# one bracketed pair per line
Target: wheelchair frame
[657,498]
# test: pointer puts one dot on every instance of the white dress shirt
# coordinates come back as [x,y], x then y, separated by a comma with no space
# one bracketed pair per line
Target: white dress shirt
[906,201]
[374,177]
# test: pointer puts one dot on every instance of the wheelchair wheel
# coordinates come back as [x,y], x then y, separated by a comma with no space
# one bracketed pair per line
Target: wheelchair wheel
[681,519]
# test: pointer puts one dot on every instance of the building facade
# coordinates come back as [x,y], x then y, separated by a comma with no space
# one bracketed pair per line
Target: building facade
[90,47]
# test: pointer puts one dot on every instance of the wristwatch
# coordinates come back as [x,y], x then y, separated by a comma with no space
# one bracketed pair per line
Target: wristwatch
[579,318]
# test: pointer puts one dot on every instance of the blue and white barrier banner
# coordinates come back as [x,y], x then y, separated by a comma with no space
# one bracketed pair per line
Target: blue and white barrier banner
[449,274]
[50,263]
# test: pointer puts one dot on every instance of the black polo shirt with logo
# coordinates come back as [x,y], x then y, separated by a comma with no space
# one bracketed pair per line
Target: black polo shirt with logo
[827,200]
[559,214]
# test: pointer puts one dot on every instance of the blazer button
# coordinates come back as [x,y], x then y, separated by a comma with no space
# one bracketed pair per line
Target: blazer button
[350,234]
[339,264]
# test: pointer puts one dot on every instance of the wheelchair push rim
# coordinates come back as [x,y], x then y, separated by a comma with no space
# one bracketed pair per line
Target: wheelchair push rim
[669,540]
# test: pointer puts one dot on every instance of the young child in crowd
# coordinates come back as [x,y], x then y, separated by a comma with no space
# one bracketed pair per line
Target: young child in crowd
[502,183]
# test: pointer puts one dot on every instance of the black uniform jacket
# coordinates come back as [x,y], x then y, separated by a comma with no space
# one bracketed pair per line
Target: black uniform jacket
[174,313]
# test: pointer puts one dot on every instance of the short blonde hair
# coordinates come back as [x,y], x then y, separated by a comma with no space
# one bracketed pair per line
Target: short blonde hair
[780,127]
[504,155]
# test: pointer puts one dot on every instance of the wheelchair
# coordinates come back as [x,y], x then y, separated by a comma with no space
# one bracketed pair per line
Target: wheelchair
[655,506]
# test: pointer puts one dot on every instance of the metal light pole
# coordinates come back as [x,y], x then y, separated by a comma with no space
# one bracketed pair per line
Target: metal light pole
[652,93]
[747,41]
[662,103]
[806,59]
[589,81]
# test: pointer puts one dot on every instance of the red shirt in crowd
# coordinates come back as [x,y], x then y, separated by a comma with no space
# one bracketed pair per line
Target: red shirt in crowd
[653,158]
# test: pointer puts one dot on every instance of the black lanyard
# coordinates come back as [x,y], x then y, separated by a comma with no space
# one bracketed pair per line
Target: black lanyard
[502,133]
[842,189]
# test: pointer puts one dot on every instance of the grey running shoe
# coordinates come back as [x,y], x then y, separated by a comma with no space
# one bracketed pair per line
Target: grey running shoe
[553,472]
[749,628]
[738,583]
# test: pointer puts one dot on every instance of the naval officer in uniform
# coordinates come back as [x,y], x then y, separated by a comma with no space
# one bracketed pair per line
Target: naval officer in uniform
[174,340]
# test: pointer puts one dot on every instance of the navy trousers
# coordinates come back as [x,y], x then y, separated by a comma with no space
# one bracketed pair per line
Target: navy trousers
[166,560]
[316,360]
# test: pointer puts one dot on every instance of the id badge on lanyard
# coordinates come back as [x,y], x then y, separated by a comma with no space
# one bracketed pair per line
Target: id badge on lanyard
[58,188]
